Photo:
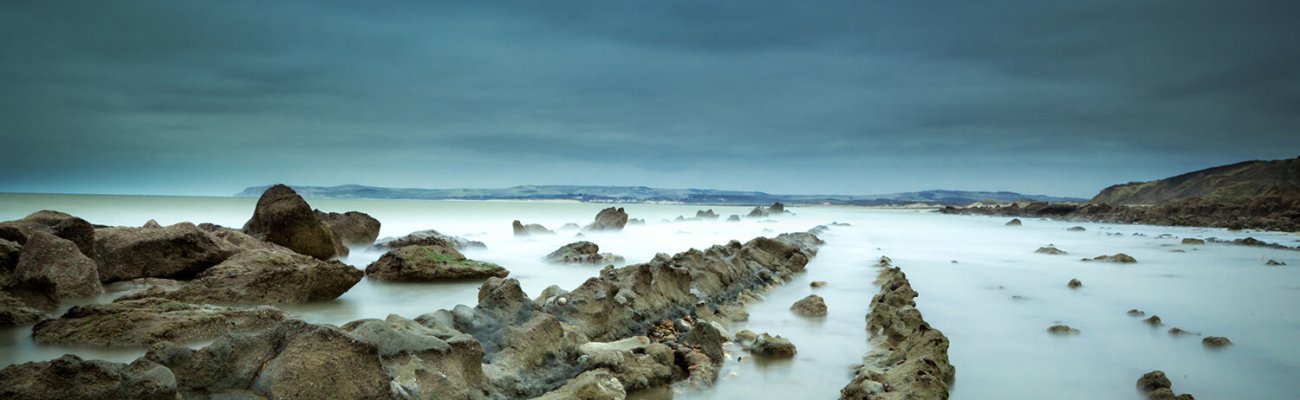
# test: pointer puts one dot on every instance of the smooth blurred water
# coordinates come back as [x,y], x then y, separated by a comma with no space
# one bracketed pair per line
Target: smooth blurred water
[999,343]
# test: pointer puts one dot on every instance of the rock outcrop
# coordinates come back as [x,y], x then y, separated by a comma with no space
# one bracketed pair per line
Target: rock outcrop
[284,218]
[70,377]
[1014,222]
[583,252]
[609,219]
[255,277]
[352,228]
[430,263]
[180,251]
[62,263]
[149,320]
[430,237]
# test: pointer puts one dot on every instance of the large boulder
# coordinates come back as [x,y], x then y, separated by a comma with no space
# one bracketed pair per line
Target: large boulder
[53,222]
[59,261]
[265,277]
[70,377]
[284,218]
[521,229]
[609,219]
[583,252]
[430,237]
[180,251]
[430,263]
[352,228]
[149,320]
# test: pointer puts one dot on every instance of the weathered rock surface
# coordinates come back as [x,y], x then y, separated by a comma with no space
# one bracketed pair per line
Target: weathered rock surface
[521,229]
[10,252]
[284,218]
[817,284]
[637,362]
[811,306]
[265,277]
[1118,258]
[430,263]
[430,237]
[583,252]
[1051,250]
[911,360]
[1274,263]
[59,261]
[70,377]
[1154,320]
[609,219]
[352,228]
[15,312]
[55,223]
[180,251]
[149,320]
[423,362]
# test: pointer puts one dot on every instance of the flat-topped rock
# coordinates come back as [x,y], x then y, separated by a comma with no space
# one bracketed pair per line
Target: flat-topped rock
[430,263]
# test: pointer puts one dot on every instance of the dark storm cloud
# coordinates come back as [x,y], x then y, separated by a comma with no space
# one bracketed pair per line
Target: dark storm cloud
[843,97]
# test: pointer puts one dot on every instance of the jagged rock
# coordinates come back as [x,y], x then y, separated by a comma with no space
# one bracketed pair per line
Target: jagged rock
[58,260]
[265,277]
[1215,341]
[1154,321]
[1118,258]
[1014,222]
[430,263]
[284,218]
[423,362]
[1049,249]
[1274,263]
[772,346]
[149,320]
[70,377]
[609,219]
[1062,329]
[180,251]
[531,229]
[811,306]
[1193,241]
[1076,229]
[582,253]
[598,384]
[430,237]
[1153,380]
[352,228]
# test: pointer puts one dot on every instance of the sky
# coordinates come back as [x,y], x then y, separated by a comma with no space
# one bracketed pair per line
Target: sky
[852,97]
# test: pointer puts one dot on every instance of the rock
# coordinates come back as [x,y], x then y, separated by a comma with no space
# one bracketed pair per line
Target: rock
[811,306]
[909,357]
[772,346]
[705,215]
[1076,229]
[1153,380]
[609,219]
[1136,313]
[1154,321]
[582,253]
[572,226]
[1014,222]
[1176,331]
[733,218]
[598,384]
[149,320]
[56,223]
[1274,263]
[352,228]
[1049,249]
[430,263]
[1215,341]
[58,260]
[77,231]
[746,336]
[70,377]
[530,229]
[1192,241]
[637,362]
[16,312]
[265,277]
[1061,329]
[179,251]
[284,218]
[10,252]
[1074,284]
[430,237]
[242,241]
[1119,258]
[151,224]
[817,284]
[425,363]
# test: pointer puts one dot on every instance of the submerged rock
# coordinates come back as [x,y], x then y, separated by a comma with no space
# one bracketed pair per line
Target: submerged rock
[1062,329]
[811,306]
[1050,249]
[1076,229]
[817,284]
[1176,331]
[582,253]
[772,346]
[430,237]
[1215,341]
[1153,321]
[733,218]
[149,320]
[1074,284]
[1014,222]
[265,277]
[284,218]
[59,261]
[1136,313]
[430,263]
[609,219]
[1274,263]
[179,251]
[531,229]
[70,377]
[1118,258]
[352,228]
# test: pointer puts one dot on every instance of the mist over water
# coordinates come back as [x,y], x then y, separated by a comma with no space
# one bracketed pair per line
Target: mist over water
[995,303]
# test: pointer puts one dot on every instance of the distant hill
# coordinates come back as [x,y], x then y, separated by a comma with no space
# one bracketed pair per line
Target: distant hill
[642,194]
[1233,183]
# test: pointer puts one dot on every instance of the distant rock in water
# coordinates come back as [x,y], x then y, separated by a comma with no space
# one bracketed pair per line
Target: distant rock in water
[1014,222]
[1074,284]
[1062,329]
[429,264]
[1076,229]
[1215,341]
[284,218]
[733,218]
[1274,263]
[530,229]
[760,212]
[430,237]
[1156,386]
[583,253]
[609,219]
[811,306]
[352,228]
[1050,249]
[772,346]
[1193,241]
[1136,313]
[635,221]
[703,214]
[1154,321]
[1119,258]
[572,226]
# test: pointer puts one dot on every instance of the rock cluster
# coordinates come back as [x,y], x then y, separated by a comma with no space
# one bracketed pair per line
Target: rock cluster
[583,252]
[1273,211]
[910,360]
[772,210]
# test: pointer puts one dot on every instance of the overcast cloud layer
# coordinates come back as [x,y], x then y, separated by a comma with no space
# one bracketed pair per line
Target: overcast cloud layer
[858,97]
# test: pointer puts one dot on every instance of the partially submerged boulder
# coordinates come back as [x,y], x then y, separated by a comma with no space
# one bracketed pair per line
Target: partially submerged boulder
[1074,284]
[149,320]
[352,228]
[1014,222]
[58,260]
[520,229]
[811,306]
[1156,386]
[1193,241]
[1215,341]
[772,346]
[429,237]
[284,218]
[1062,329]
[70,377]
[583,252]
[265,277]
[1118,258]
[1050,249]
[180,251]
[609,219]
[430,263]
